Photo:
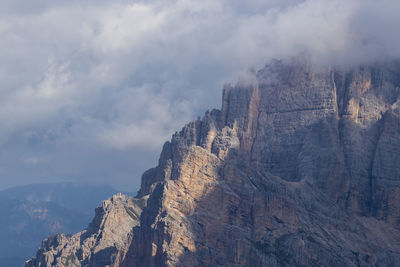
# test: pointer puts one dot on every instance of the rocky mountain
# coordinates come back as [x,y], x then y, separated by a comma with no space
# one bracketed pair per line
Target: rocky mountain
[300,167]
[33,212]
[105,242]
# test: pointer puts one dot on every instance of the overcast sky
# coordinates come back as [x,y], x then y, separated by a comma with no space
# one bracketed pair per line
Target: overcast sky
[90,90]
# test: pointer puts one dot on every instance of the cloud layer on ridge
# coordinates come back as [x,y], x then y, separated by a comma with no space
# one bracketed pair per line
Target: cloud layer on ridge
[89,90]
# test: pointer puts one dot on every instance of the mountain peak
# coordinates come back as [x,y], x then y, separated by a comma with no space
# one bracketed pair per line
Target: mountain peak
[299,167]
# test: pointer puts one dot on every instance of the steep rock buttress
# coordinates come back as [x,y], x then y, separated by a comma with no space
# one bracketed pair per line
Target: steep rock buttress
[299,168]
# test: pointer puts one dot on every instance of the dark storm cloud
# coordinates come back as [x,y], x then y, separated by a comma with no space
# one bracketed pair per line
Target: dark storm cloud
[89,90]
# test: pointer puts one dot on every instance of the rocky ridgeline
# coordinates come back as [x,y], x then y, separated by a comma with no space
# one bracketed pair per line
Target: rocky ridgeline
[298,168]
[103,243]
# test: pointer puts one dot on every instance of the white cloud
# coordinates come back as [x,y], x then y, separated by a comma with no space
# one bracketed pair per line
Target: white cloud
[32,160]
[123,75]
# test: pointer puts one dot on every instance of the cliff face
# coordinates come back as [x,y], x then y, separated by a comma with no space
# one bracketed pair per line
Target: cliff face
[103,243]
[299,167]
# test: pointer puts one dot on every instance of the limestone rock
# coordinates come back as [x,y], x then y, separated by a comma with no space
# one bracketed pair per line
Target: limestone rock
[301,168]
[298,168]
[103,243]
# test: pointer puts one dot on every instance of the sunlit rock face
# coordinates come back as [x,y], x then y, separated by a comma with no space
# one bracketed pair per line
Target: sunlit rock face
[300,167]
[103,243]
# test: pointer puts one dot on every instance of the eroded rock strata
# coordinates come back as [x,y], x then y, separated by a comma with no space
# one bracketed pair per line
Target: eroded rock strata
[300,167]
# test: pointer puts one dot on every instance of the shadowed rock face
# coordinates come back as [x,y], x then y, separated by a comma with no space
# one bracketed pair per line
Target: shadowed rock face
[299,168]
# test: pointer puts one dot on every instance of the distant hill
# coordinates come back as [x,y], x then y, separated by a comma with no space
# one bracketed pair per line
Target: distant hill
[32,212]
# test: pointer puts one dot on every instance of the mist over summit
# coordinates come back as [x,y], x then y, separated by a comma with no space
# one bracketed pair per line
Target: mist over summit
[90,90]
[298,168]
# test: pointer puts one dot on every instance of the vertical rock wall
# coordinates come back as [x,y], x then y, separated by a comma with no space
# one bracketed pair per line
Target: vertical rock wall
[301,167]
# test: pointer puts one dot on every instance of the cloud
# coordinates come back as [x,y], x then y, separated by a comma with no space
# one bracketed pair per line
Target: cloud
[95,87]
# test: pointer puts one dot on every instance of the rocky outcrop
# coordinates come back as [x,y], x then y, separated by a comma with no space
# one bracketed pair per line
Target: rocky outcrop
[299,168]
[103,243]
